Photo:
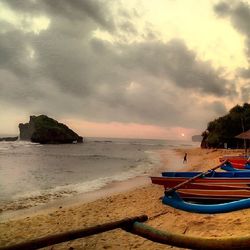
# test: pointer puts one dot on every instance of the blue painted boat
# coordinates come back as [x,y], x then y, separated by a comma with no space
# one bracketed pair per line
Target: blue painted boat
[210,174]
[229,167]
[174,200]
[239,162]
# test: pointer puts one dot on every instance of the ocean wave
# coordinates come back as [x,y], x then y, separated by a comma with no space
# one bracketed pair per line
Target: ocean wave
[10,146]
[142,167]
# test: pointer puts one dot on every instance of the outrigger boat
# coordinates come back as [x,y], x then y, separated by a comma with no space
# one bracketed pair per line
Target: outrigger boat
[209,174]
[238,178]
[207,193]
[230,167]
[203,183]
[209,196]
[230,190]
[239,161]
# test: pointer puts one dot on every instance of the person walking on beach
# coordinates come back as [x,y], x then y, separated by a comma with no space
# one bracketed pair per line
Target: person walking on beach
[185,157]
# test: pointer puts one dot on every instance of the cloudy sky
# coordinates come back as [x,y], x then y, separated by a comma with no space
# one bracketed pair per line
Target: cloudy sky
[123,68]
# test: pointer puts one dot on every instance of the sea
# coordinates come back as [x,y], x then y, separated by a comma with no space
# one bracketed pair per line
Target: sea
[29,170]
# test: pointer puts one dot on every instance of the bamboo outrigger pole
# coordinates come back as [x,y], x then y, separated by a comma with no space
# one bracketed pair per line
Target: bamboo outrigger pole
[75,234]
[190,242]
[171,190]
[134,226]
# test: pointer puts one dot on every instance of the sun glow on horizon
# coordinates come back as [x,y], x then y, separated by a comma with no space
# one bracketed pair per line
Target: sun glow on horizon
[135,68]
[128,130]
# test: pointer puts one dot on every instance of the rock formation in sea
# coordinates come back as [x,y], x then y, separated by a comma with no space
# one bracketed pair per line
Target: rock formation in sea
[204,139]
[196,138]
[45,130]
[27,129]
[9,138]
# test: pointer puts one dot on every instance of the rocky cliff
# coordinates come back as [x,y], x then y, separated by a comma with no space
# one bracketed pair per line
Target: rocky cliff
[45,130]
[15,138]
[27,129]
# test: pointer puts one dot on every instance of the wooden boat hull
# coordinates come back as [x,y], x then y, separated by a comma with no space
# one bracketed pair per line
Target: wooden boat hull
[203,183]
[209,191]
[218,195]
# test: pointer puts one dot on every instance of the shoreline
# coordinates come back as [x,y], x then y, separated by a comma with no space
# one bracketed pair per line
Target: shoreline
[110,189]
[48,202]
[143,200]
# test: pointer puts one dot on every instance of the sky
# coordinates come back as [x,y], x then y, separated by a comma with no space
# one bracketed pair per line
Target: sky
[123,68]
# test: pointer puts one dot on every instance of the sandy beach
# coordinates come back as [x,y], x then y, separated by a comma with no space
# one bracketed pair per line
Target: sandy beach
[143,200]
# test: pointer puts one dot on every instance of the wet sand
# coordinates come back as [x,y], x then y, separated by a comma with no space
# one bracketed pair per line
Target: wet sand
[143,200]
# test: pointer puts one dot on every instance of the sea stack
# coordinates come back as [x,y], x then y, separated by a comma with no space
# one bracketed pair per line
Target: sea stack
[45,130]
[15,138]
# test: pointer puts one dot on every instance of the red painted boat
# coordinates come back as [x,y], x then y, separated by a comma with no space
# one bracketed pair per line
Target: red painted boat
[238,162]
[173,181]
[203,183]
[213,195]
[200,191]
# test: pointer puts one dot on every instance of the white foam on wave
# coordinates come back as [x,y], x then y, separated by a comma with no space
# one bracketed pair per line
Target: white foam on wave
[34,193]
[4,148]
[6,145]
[143,168]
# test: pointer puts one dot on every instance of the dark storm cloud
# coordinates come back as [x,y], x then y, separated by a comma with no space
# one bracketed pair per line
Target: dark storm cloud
[239,14]
[74,73]
[72,10]
[222,8]
[245,93]
[128,27]
[13,52]
[218,107]
[175,62]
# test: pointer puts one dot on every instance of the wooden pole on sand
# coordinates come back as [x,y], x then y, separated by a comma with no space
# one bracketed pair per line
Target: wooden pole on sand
[74,234]
[190,242]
